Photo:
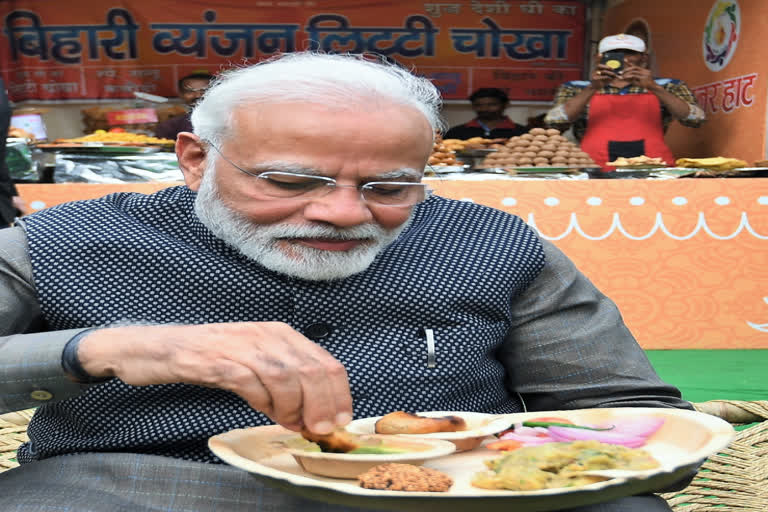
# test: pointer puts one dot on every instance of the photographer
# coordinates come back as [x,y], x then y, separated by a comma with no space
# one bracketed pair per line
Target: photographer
[623,110]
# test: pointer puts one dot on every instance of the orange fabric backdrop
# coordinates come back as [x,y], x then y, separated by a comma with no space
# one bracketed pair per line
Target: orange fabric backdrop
[685,260]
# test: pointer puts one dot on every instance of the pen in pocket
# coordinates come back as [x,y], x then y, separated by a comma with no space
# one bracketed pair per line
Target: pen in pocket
[429,334]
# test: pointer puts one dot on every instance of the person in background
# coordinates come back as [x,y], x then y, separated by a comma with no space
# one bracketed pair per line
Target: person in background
[191,89]
[11,204]
[295,279]
[624,113]
[489,104]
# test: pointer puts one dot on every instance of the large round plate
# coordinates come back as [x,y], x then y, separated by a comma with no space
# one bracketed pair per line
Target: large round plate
[680,445]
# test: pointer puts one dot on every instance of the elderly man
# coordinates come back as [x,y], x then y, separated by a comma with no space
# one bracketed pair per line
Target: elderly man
[294,279]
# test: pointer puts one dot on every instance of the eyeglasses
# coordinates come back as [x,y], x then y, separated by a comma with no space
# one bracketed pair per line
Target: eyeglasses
[289,185]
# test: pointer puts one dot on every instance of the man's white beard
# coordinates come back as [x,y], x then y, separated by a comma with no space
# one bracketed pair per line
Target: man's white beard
[261,243]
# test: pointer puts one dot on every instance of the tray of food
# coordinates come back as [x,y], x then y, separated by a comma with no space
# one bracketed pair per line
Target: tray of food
[525,461]
[110,142]
[542,169]
[102,149]
[637,162]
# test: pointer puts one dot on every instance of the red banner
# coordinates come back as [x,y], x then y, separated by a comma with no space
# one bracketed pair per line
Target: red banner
[92,51]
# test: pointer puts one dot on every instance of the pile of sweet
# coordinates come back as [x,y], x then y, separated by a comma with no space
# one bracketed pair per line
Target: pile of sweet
[539,147]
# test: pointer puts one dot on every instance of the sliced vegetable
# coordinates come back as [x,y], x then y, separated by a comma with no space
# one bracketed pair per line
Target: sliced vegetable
[641,426]
[573,434]
[504,445]
[568,425]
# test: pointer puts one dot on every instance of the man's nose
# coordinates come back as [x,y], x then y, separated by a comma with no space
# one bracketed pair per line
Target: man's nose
[344,206]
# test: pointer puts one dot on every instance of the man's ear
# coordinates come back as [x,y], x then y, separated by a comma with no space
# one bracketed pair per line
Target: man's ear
[191,154]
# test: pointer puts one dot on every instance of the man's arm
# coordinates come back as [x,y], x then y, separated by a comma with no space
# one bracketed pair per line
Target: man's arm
[568,347]
[30,364]
[273,367]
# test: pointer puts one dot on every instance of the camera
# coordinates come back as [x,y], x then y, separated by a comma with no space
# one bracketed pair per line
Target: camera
[614,59]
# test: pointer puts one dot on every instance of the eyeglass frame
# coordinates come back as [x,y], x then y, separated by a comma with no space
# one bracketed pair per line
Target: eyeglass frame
[331,182]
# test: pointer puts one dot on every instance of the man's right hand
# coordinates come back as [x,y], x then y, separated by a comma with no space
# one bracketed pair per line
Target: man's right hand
[602,76]
[274,368]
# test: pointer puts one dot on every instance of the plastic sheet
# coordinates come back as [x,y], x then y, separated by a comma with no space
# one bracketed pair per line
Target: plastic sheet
[84,168]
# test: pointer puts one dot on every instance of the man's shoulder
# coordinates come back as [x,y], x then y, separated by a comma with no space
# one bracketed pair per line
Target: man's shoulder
[173,125]
[667,81]
[461,213]
[124,201]
[463,131]
[576,84]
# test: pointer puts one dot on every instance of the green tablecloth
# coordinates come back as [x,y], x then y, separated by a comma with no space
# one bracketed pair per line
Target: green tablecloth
[705,375]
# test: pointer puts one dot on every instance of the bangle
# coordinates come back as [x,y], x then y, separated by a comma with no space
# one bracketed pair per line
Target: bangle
[70,363]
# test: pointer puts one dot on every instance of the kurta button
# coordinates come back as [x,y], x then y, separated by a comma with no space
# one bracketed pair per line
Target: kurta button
[317,331]
[41,395]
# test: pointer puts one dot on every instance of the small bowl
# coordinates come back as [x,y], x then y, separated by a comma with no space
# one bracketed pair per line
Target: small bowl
[349,465]
[479,426]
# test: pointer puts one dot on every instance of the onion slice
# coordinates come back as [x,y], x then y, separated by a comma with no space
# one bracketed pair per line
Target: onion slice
[566,434]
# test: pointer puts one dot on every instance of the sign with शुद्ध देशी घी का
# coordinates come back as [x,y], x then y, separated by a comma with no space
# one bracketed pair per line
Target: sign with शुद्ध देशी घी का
[91,50]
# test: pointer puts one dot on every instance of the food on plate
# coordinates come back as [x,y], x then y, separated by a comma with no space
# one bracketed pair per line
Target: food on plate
[630,432]
[116,137]
[338,441]
[401,422]
[405,477]
[341,441]
[556,465]
[636,160]
[538,148]
[473,143]
[442,154]
[20,133]
[374,449]
[717,163]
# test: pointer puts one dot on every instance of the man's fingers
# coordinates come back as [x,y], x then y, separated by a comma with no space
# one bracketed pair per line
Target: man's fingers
[340,391]
[325,387]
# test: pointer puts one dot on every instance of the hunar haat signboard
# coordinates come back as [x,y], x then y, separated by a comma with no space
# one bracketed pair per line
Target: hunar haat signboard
[717,52]
[94,50]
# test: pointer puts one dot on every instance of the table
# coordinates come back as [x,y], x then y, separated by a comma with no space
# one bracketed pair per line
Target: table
[686,260]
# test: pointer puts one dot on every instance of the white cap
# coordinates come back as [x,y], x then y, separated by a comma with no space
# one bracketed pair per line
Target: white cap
[621,42]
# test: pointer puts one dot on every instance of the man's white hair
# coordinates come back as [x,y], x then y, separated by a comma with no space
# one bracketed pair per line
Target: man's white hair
[336,81]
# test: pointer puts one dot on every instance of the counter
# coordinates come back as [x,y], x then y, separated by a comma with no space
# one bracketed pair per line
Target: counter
[686,260]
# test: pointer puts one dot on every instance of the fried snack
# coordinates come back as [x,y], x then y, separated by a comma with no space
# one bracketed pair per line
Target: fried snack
[116,138]
[338,441]
[637,160]
[442,154]
[717,163]
[20,133]
[400,422]
[405,477]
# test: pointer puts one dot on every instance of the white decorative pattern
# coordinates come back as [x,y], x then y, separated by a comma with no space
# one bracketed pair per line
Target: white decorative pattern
[658,226]
[760,327]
